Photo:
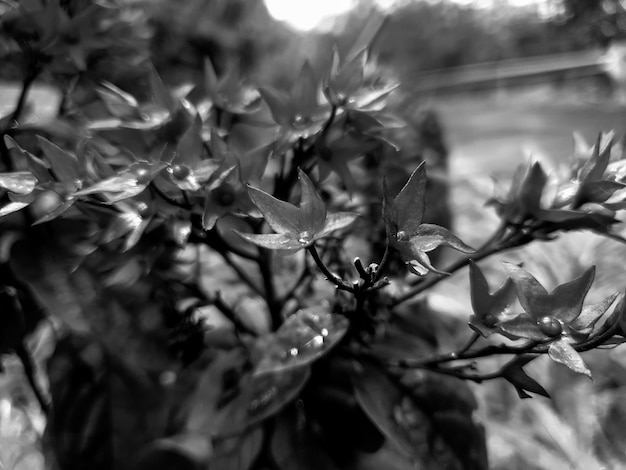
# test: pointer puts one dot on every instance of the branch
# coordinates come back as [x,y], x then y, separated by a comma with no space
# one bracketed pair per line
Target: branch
[340,283]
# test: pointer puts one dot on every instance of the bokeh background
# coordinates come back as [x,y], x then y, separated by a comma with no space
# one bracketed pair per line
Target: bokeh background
[500,81]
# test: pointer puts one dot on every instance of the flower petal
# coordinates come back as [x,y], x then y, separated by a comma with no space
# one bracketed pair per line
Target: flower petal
[410,202]
[272,241]
[522,326]
[282,216]
[312,212]
[561,351]
[427,237]
[336,222]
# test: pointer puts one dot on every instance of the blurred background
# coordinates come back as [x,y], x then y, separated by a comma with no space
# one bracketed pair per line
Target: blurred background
[497,81]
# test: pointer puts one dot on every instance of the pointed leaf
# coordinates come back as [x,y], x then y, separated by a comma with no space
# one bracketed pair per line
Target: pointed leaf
[600,191]
[410,202]
[567,299]
[160,93]
[312,212]
[273,241]
[532,188]
[592,313]
[489,308]
[337,221]
[514,374]
[12,207]
[304,92]
[378,396]
[522,326]
[278,102]
[282,216]
[427,237]
[119,103]
[305,337]
[64,165]
[530,292]
[262,397]
[19,182]
[116,184]
[561,351]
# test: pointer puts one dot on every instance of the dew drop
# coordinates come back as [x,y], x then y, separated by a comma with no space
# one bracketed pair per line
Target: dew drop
[324,332]
[293,352]
[305,237]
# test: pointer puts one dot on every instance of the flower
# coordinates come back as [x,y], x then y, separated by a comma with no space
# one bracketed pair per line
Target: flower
[405,231]
[489,309]
[557,317]
[296,227]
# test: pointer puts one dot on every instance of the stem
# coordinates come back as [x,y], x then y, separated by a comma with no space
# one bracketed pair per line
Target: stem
[273,305]
[30,372]
[383,263]
[31,74]
[491,350]
[330,276]
[241,273]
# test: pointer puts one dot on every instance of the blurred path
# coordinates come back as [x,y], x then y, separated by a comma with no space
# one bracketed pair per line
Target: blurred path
[490,134]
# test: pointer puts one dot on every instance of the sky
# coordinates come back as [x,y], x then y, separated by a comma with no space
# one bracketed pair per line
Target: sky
[306,15]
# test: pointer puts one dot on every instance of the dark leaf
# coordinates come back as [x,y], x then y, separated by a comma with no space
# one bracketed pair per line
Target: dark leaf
[379,398]
[514,373]
[305,337]
[406,210]
[522,326]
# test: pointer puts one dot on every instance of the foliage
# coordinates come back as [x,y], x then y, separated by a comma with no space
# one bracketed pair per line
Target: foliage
[174,241]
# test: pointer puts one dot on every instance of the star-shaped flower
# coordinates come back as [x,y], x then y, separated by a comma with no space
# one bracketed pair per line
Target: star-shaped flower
[296,227]
[489,309]
[557,317]
[405,231]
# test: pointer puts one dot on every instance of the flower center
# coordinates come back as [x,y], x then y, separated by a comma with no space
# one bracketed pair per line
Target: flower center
[305,237]
[550,326]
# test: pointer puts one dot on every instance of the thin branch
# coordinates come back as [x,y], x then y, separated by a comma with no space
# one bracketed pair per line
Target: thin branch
[383,263]
[243,275]
[273,304]
[340,283]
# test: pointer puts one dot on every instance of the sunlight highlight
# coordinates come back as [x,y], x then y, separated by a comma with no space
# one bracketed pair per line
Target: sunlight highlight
[307,15]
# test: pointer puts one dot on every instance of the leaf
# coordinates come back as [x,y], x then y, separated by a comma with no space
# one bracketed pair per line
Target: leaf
[12,207]
[302,339]
[64,165]
[272,241]
[19,182]
[427,237]
[406,210]
[564,302]
[514,373]
[489,308]
[337,221]
[119,103]
[282,217]
[561,351]
[592,313]
[600,191]
[312,208]
[304,93]
[522,326]
[278,103]
[263,396]
[378,396]
[531,188]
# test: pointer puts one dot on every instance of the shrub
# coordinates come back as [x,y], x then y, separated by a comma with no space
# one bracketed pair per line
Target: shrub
[201,257]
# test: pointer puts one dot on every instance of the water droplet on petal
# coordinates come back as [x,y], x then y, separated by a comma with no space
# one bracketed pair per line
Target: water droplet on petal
[305,237]
[324,332]
[293,352]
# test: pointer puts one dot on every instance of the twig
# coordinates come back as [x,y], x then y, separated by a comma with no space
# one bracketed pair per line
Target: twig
[340,283]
